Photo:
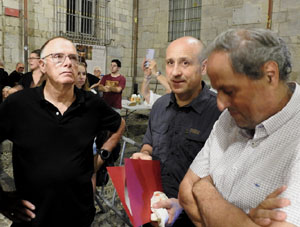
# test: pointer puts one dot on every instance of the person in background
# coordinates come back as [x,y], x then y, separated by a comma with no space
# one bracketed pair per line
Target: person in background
[33,78]
[97,72]
[92,79]
[179,122]
[16,75]
[81,80]
[254,147]
[149,96]
[112,86]
[3,76]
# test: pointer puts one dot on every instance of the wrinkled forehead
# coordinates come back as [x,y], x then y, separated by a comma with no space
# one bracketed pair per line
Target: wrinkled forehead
[59,45]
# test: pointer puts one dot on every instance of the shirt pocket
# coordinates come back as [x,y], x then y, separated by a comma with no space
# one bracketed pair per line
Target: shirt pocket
[160,142]
[193,143]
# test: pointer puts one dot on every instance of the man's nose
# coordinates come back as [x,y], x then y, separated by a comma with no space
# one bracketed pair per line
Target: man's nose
[176,70]
[67,61]
[222,102]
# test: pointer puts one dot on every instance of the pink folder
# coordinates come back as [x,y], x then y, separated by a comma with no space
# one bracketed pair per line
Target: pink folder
[141,178]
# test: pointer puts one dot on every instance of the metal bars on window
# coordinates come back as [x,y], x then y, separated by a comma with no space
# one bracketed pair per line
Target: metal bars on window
[84,21]
[184,18]
[80,16]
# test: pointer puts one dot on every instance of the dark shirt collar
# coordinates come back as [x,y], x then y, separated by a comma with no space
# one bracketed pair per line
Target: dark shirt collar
[196,102]
[78,93]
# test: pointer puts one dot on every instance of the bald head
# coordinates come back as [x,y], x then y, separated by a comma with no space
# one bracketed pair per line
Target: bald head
[20,67]
[184,69]
[54,39]
[189,42]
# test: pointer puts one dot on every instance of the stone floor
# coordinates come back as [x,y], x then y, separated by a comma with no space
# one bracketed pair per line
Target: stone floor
[136,127]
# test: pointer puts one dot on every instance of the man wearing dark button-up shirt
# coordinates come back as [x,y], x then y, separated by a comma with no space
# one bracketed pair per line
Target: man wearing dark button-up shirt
[180,122]
[52,128]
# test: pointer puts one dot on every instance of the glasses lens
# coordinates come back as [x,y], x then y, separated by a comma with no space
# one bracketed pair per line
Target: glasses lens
[58,58]
[74,58]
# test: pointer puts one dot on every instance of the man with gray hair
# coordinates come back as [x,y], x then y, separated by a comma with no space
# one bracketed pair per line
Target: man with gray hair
[254,147]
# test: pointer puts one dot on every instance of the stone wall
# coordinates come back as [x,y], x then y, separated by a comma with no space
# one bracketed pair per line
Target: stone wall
[121,47]
[11,38]
[218,16]
[152,34]
[286,21]
[40,28]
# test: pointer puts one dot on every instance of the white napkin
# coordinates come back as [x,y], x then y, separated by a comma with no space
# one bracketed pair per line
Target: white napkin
[160,215]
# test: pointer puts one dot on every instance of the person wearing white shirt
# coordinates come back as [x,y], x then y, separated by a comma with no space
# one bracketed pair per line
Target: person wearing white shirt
[149,96]
[248,172]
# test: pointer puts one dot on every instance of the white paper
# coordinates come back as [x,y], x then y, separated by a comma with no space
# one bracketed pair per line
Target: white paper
[150,54]
[127,199]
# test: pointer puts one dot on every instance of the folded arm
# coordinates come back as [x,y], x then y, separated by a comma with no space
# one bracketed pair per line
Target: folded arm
[186,198]
[218,212]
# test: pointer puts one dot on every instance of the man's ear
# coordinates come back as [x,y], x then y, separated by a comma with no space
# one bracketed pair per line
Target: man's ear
[42,65]
[271,72]
[203,67]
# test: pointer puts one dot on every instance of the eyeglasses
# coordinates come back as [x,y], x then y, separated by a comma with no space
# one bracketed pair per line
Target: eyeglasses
[29,59]
[59,58]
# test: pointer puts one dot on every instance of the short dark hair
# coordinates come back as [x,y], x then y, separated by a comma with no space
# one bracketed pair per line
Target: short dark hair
[117,61]
[37,52]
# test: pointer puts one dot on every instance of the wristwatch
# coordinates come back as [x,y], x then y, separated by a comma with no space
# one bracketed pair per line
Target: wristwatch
[104,154]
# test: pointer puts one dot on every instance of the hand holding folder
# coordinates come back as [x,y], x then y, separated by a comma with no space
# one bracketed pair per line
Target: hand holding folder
[135,183]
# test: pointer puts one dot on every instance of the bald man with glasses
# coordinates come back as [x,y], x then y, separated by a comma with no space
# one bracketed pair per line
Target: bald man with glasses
[53,137]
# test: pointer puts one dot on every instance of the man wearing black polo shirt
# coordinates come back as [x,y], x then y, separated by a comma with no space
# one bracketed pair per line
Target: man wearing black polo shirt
[180,122]
[53,138]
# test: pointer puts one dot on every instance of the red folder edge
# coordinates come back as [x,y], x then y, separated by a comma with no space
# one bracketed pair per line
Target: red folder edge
[117,175]
[142,179]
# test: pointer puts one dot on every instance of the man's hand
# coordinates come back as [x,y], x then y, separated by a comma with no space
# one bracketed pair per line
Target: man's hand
[142,156]
[173,207]
[264,213]
[16,209]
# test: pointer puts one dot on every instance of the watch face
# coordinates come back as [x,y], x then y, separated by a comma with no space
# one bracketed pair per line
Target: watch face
[104,154]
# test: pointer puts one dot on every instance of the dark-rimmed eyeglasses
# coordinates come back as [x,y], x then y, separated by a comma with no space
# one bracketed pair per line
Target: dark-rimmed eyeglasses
[59,58]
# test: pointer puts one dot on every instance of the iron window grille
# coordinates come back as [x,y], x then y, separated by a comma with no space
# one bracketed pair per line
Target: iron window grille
[184,18]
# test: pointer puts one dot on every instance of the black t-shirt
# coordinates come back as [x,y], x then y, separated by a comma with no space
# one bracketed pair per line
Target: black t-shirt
[52,153]
[92,79]
[14,78]
[3,77]
[26,80]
